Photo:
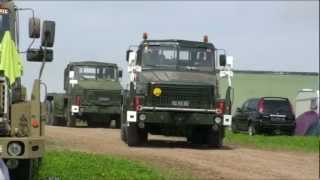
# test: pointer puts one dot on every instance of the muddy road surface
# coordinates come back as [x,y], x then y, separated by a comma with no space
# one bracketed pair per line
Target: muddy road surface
[230,162]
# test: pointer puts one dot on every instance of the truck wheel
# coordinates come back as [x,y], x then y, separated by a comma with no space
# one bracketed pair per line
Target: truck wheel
[23,171]
[143,136]
[50,120]
[118,122]
[71,121]
[133,138]
[197,136]
[214,138]
[123,133]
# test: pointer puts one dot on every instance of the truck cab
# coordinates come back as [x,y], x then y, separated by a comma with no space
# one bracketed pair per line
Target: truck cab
[22,120]
[173,91]
[92,93]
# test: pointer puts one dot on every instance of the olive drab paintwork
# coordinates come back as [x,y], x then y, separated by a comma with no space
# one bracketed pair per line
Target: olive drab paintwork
[173,91]
[88,97]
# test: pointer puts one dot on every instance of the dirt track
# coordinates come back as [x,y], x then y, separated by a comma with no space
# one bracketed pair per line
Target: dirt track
[228,163]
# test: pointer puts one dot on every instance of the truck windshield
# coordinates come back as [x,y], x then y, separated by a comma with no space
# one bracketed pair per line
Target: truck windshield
[95,73]
[4,24]
[201,59]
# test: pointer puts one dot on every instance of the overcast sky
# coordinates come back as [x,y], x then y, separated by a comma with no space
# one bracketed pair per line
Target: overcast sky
[277,36]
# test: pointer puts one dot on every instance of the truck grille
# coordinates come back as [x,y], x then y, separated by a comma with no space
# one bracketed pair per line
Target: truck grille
[102,97]
[187,96]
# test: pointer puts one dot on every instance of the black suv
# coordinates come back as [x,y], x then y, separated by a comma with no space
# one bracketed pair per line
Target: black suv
[264,115]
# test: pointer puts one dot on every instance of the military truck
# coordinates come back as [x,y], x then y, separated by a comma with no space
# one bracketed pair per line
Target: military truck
[174,91]
[55,108]
[92,94]
[21,121]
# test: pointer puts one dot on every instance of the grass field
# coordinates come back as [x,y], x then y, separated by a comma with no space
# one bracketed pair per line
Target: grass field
[291,143]
[67,165]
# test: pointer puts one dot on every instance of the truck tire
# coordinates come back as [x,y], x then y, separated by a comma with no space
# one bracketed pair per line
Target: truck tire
[214,138]
[118,122]
[71,121]
[50,119]
[133,137]
[123,133]
[23,171]
[197,136]
[143,136]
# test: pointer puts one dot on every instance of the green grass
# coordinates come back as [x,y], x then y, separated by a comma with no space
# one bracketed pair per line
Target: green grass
[291,143]
[69,165]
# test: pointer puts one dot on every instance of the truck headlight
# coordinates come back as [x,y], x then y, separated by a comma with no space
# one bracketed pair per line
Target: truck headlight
[15,149]
[218,120]
[142,117]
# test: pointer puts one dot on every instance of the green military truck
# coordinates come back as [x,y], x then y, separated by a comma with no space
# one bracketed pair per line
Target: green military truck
[55,108]
[174,91]
[92,94]
[21,121]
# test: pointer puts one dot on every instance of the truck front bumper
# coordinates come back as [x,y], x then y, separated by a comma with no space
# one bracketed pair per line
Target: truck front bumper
[32,147]
[173,116]
[99,110]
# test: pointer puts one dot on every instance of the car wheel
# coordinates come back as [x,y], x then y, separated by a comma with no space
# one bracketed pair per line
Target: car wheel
[251,130]
[290,132]
[234,128]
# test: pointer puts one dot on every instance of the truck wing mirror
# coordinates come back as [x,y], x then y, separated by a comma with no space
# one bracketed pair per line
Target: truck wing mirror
[131,56]
[49,98]
[222,60]
[239,109]
[128,55]
[120,73]
[39,55]
[48,33]
[34,27]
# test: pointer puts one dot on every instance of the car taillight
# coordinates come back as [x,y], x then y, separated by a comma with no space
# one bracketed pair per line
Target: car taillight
[261,105]
[220,107]
[77,101]
[137,103]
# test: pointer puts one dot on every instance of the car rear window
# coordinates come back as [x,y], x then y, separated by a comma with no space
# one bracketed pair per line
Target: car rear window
[277,106]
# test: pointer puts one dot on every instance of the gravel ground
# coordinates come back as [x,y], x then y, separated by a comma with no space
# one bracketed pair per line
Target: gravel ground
[230,162]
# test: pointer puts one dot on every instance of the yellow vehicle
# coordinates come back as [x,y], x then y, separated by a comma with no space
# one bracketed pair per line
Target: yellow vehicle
[21,121]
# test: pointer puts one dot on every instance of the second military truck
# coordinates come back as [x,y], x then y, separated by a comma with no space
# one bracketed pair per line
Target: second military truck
[173,91]
[92,94]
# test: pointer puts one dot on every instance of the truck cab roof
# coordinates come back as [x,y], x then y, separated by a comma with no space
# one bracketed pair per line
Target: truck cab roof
[179,42]
[91,63]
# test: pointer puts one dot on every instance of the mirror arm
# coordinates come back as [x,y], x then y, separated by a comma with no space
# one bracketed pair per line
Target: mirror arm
[43,62]
[18,28]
